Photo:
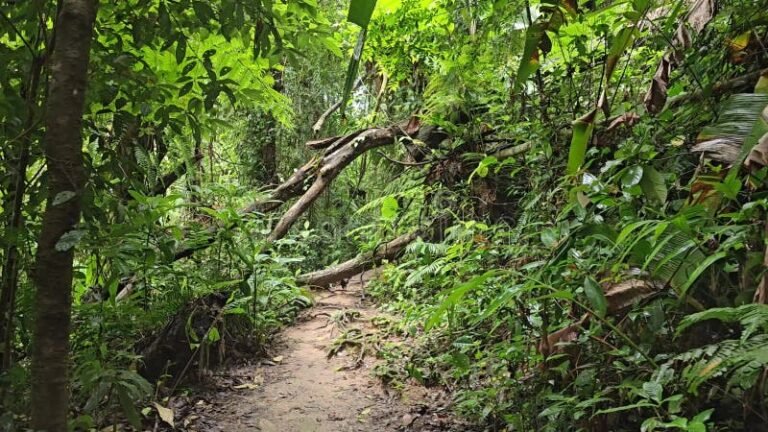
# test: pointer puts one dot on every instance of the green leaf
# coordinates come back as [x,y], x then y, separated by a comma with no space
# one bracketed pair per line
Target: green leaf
[188,67]
[582,132]
[529,62]
[703,416]
[213,335]
[729,187]
[126,403]
[626,408]
[389,207]
[653,185]
[186,88]
[596,296]
[619,44]
[181,49]
[360,12]
[632,176]
[483,167]
[762,84]
[203,11]
[700,269]
[456,294]
[354,64]
[654,390]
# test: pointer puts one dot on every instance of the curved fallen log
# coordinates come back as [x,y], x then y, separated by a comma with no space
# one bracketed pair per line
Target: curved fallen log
[330,167]
[340,152]
[359,264]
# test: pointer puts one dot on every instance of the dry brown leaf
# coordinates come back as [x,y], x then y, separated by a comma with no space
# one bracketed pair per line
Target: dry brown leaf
[246,386]
[683,37]
[758,157]
[625,294]
[656,97]
[629,119]
[166,414]
[554,342]
[700,14]
[725,149]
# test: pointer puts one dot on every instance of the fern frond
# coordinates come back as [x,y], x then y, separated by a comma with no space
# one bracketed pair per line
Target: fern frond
[741,360]
[752,317]
[418,276]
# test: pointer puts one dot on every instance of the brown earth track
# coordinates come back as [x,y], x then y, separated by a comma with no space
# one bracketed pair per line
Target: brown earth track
[301,389]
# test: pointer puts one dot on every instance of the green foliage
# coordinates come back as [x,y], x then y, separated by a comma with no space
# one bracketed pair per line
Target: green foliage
[592,281]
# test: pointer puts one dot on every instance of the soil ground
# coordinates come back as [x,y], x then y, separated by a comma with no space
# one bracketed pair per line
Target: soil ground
[299,388]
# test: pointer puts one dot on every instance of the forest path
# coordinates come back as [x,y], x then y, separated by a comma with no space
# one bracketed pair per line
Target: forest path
[301,389]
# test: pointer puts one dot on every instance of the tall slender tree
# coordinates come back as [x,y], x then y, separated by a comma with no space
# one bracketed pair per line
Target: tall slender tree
[62,146]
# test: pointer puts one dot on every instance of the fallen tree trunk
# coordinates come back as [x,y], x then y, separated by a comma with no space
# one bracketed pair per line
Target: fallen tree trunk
[340,152]
[359,264]
[740,83]
[330,167]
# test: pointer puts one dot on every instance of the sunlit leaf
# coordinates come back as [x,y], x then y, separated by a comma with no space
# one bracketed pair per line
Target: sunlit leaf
[456,294]
[389,207]
[360,12]
[582,133]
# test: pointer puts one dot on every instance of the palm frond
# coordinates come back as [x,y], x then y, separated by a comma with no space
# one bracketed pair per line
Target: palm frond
[723,141]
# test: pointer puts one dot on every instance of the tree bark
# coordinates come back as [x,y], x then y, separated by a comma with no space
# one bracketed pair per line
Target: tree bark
[62,147]
[323,170]
[330,167]
[743,82]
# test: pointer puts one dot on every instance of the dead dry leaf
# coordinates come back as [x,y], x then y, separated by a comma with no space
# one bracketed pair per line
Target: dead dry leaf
[701,14]
[627,293]
[166,414]
[555,341]
[758,157]
[629,119]
[656,97]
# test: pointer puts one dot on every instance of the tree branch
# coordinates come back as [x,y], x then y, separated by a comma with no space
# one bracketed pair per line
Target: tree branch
[167,180]
[743,82]
[359,264]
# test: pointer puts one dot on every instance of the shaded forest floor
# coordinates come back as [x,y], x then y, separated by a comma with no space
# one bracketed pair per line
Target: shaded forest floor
[301,387]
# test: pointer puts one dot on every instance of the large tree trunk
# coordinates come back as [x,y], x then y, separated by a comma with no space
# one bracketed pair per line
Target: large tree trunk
[66,179]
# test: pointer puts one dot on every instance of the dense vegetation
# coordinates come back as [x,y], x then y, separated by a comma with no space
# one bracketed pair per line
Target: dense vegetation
[568,201]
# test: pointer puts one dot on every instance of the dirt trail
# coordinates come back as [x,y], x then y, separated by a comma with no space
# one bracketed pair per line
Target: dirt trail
[301,390]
